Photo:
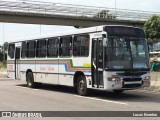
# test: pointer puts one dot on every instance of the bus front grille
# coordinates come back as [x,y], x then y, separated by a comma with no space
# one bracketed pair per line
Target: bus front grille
[132,79]
[131,85]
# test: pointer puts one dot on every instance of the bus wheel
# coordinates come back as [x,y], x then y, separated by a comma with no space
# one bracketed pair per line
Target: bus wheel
[82,86]
[30,80]
[118,91]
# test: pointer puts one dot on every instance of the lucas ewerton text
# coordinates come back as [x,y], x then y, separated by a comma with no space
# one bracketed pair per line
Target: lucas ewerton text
[145,114]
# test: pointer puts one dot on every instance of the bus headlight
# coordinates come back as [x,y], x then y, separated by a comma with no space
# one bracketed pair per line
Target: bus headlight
[113,79]
[146,80]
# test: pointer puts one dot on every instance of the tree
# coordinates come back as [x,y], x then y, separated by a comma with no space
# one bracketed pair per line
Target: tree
[1,48]
[3,51]
[152,29]
[5,45]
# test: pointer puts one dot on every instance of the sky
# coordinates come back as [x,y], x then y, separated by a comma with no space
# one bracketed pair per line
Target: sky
[12,31]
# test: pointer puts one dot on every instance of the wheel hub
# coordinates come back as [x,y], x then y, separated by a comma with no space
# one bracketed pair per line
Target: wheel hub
[82,85]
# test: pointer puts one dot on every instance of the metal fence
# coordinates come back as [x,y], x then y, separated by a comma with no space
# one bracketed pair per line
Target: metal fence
[68,10]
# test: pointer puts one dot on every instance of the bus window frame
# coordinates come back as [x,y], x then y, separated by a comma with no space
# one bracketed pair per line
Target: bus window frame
[27,54]
[60,47]
[80,46]
[38,49]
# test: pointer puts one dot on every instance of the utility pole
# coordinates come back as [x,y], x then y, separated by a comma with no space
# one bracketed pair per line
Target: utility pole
[116,7]
[3,43]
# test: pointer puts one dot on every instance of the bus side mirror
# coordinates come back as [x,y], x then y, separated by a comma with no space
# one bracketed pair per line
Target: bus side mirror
[105,42]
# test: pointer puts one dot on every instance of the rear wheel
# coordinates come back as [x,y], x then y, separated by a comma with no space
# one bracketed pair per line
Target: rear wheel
[82,86]
[118,91]
[30,80]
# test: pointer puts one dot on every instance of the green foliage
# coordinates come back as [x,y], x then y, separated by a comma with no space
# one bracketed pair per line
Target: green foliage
[3,51]
[3,64]
[152,27]
[3,56]
[152,41]
[5,45]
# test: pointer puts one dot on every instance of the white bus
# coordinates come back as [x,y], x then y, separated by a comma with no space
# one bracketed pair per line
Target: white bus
[102,57]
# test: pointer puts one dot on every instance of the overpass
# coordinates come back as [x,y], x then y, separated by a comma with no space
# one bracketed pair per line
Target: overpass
[35,12]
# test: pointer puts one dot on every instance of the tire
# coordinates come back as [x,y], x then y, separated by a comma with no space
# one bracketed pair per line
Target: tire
[118,91]
[30,80]
[82,86]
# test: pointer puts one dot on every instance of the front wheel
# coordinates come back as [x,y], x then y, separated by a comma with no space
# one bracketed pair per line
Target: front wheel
[82,86]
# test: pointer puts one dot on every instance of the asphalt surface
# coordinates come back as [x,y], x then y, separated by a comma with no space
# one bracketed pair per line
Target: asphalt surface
[16,96]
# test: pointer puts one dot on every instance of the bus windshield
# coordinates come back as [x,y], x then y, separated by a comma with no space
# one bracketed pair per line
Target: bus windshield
[126,53]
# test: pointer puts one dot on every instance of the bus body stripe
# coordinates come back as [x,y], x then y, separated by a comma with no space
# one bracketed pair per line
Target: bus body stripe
[68,64]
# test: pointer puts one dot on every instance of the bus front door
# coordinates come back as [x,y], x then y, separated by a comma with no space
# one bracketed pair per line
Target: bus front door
[97,63]
[17,63]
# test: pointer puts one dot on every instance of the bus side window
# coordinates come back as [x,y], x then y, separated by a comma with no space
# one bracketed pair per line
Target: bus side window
[65,48]
[41,48]
[81,45]
[31,49]
[52,49]
[11,50]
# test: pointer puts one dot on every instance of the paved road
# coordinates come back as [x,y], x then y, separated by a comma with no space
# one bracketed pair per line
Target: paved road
[15,96]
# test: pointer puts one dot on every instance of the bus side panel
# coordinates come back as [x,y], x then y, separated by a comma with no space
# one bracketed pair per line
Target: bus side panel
[51,78]
[65,79]
[65,73]
[25,65]
[40,70]
[23,75]
[11,69]
[47,71]
[68,67]
[23,68]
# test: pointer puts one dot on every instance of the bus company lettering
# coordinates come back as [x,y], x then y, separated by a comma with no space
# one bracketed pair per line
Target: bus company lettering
[48,68]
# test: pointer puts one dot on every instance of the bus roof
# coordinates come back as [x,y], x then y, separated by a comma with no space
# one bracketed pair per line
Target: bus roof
[65,33]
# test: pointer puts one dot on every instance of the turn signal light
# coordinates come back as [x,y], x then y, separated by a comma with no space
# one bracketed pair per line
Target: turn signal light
[113,79]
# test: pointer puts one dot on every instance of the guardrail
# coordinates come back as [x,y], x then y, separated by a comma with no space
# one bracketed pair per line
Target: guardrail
[68,10]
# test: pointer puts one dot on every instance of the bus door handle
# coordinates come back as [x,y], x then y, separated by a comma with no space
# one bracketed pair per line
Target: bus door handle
[99,69]
[94,65]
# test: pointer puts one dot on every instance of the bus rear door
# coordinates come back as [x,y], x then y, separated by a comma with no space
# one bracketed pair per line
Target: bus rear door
[17,61]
